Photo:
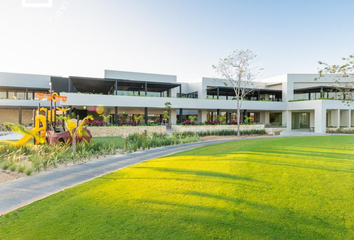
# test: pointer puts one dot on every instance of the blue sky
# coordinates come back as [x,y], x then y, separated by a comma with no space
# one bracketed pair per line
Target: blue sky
[182,38]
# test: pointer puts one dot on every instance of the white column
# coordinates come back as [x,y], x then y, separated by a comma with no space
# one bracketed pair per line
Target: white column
[284,118]
[202,116]
[288,120]
[350,118]
[173,116]
[338,119]
[262,117]
[320,120]
[266,116]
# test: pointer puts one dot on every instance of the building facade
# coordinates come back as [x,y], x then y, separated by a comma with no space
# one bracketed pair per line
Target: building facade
[294,101]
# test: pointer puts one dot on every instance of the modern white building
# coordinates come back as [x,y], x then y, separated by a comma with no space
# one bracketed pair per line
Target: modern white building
[295,101]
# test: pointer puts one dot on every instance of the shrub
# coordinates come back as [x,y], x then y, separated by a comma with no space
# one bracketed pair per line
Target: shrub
[29,171]
[21,168]
[188,122]
[231,132]
[215,122]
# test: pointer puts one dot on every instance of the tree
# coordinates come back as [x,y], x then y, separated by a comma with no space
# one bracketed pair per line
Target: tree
[238,71]
[137,119]
[74,130]
[105,118]
[344,76]
[166,115]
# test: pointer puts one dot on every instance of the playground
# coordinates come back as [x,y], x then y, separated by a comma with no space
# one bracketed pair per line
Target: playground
[50,126]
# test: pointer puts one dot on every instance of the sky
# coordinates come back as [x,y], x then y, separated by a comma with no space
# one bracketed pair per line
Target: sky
[183,38]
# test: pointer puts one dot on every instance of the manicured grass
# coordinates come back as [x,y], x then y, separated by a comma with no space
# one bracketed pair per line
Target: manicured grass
[106,140]
[281,188]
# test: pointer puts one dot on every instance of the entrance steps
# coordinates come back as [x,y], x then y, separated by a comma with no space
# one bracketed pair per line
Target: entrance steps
[300,133]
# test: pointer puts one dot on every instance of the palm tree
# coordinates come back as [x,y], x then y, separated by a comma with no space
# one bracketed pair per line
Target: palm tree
[76,131]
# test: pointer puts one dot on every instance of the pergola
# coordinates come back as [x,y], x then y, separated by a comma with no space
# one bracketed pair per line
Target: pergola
[111,86]
[229,92]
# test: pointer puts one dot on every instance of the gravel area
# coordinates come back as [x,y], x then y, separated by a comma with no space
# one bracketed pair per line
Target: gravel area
[8,175]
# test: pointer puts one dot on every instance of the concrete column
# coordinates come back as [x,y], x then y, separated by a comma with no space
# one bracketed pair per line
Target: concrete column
[173,116]
[116,115]
[350,118]
[338,118]
[20,115]
[202,116]
[288,120]
[320,120]
[181,115]
[266,118]
[284,118]
[146,116]
[262,117]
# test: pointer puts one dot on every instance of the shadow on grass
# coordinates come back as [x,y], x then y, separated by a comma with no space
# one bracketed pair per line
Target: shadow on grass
[201,173]
[258,221]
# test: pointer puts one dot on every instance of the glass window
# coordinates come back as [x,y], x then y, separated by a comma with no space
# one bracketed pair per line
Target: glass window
[301,96]
[275,118]
[153,94]
[20,95]
[3,94]
[11,95]
[30,95]
[332,95]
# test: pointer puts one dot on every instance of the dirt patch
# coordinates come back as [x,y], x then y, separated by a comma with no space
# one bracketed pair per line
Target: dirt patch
[212,138]
[8,176]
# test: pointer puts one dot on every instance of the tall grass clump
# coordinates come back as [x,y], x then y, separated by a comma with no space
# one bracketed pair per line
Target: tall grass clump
[35,158]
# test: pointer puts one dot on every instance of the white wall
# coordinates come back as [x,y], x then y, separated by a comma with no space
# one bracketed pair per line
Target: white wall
[149,77]
[24,80]
[157,102]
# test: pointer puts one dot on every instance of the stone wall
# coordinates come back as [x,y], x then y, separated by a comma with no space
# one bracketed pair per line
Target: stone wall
[205,128]
[11,115]
[125,131]
[274,131]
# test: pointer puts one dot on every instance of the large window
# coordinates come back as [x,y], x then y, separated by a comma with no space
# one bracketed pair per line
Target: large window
[275,118]
[2,94]
[301,96]
[11,95]
[20,95]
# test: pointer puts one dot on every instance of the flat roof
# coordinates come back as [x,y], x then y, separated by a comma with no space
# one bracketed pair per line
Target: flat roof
[104,85]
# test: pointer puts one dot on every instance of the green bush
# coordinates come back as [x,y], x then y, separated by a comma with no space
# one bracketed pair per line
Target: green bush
[231,132]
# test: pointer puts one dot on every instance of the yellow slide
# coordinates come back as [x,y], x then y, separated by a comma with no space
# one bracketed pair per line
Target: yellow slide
[26,138]
[35,131]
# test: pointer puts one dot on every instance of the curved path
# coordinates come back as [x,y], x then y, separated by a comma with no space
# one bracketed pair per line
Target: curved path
[20,192]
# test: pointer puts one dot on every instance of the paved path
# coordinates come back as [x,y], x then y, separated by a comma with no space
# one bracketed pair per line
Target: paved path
[23,191]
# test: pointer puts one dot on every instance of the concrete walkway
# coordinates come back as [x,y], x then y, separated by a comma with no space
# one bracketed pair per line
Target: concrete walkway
[20,192]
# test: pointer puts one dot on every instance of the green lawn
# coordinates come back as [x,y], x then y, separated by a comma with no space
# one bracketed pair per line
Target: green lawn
[281,188]
[116,140]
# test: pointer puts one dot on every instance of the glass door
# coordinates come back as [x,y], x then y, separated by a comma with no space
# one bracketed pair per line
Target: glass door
[300,120]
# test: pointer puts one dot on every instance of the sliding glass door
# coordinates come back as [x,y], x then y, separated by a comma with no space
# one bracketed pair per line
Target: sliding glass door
[300,120]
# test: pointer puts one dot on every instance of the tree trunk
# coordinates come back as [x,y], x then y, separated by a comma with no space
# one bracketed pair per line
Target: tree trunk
[74,142]
[238,117]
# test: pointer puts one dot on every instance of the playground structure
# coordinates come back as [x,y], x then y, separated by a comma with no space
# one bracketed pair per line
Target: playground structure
[45,128]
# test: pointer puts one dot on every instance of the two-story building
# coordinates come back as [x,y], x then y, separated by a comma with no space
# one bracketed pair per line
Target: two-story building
[296,101]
